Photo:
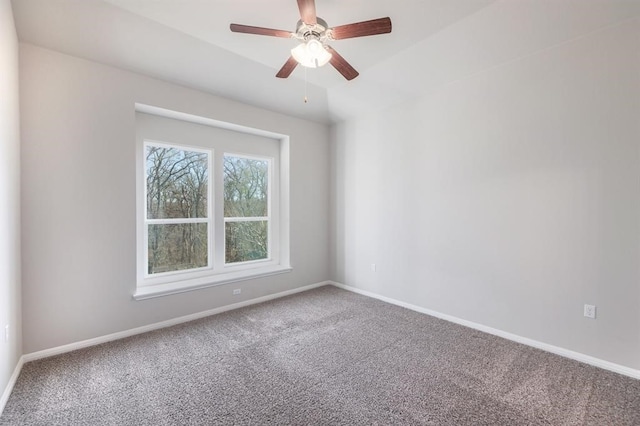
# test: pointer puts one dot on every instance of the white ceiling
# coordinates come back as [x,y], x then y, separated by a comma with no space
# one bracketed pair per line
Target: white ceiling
[433,43]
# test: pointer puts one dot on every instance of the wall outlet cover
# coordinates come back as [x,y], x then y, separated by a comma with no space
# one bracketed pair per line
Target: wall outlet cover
[590,311]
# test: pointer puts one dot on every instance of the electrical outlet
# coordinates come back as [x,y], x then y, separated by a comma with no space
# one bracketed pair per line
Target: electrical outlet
[373,267]
[590,311]
[6,333]
[237,291]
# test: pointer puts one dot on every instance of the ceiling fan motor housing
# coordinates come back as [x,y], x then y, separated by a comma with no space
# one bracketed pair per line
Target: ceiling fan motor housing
[318,31]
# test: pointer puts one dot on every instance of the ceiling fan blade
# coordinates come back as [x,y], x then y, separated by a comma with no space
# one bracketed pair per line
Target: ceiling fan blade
[342,65]
[307,11]
[287,68]
[247,29]
[362,29]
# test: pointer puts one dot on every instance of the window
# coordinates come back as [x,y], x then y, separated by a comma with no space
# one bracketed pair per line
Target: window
[246,209]
[210,203]
[178,214]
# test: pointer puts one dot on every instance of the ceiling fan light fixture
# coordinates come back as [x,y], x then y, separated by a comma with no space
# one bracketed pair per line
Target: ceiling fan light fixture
[311,54]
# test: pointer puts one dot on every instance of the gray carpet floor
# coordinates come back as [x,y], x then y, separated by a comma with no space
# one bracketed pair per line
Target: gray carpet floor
[322,357]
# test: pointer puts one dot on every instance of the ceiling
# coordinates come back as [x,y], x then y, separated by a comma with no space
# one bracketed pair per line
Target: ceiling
[433,43]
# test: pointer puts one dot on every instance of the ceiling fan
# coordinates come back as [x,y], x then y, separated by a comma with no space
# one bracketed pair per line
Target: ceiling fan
[314,35]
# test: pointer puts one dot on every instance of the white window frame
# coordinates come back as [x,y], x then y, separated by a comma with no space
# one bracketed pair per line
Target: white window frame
[270,210]
[217,272]
[160,277]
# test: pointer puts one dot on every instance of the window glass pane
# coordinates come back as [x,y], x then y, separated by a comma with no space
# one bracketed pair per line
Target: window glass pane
[176,247]
[176,183]
[245,187]
[246,241]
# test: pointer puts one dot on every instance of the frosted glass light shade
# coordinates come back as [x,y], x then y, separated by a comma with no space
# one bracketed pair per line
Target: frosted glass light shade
[311,54]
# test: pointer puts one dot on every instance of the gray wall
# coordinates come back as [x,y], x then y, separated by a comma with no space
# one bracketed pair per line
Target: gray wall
[78,204]
[509,198]
[10,350]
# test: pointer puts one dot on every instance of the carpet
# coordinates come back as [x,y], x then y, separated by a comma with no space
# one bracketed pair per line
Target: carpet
[322,357]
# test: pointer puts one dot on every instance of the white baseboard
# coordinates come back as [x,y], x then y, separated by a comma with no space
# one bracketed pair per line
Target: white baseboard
[11,384]
[163,324]
[577,356]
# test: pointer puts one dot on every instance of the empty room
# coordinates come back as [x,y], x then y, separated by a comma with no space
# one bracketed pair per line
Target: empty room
[320,212]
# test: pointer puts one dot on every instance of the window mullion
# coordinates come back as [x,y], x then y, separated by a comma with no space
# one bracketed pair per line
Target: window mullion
[218,215]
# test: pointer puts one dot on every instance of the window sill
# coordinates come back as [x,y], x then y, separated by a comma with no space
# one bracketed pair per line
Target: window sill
[159,290]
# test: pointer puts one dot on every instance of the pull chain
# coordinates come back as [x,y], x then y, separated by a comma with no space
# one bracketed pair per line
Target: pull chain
[305,85]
